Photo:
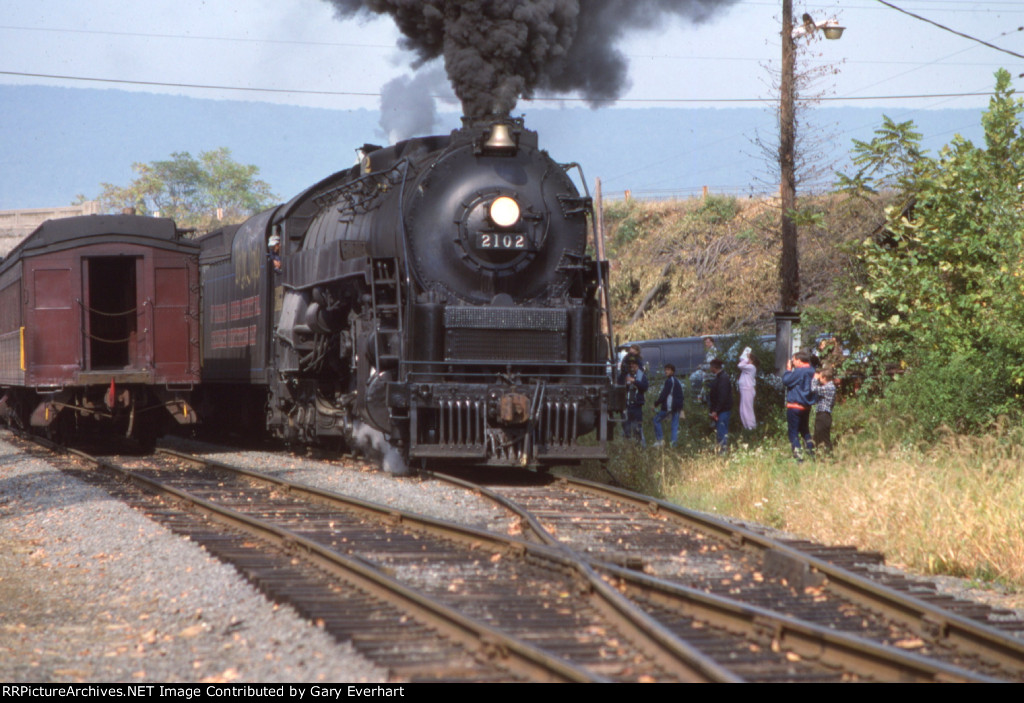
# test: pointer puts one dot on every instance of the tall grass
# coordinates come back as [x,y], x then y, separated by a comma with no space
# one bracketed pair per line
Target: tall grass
[952,507]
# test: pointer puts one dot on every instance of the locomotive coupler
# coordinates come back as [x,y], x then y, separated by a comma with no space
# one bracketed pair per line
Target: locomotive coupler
[513,409]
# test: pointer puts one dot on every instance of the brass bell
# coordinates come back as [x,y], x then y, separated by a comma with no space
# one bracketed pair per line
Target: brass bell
[500,138]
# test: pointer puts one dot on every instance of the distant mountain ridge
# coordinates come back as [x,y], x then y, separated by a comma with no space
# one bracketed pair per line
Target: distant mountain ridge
[59,142]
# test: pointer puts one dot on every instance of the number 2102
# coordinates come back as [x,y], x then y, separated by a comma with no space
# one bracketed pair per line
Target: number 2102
[501,241]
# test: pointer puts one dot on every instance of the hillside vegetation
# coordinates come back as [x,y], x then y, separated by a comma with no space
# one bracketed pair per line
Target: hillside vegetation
[708,266]
[924,283]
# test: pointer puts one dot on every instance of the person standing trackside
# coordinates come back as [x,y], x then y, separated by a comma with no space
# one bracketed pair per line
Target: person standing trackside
[636,384]
[633,353]
[747,386]
[720,403]
[822,385]
[703,373]
[799,398]
[670,404]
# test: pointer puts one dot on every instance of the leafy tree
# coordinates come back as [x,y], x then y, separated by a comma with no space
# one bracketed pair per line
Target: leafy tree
[234,188]
[944,282]
[203,193]
[887,162]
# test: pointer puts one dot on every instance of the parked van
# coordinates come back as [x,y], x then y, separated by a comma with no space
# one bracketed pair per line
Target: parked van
[687,353]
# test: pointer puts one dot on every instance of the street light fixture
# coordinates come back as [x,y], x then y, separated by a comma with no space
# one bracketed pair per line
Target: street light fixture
[789,265]
[830,28]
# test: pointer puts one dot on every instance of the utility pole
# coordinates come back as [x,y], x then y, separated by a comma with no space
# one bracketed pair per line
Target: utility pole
[788,313]
[789,265]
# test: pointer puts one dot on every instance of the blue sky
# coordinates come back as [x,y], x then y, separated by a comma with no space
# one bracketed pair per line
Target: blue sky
[298,45]
[296,52]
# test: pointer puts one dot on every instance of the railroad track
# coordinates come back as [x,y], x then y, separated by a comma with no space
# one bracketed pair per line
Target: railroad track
[659,552]
[510,610]
[573,602]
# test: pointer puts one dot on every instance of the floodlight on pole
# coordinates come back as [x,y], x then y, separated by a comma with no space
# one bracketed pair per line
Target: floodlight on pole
[830,27]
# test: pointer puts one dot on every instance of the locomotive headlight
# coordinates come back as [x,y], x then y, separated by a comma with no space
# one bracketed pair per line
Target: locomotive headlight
[504,211]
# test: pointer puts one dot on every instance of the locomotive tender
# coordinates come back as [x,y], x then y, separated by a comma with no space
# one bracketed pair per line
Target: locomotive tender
[99,328]
[435,300]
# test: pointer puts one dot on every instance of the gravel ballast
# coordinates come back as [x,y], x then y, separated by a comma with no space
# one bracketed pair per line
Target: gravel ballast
[91,590]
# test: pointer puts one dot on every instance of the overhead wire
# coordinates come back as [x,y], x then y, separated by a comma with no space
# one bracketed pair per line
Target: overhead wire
[950,29]
[371,94]
[945,98]
[203,37]
[538,99]
[199,86]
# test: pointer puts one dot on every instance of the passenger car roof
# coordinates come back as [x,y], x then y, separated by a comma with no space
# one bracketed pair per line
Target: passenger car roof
[70,232]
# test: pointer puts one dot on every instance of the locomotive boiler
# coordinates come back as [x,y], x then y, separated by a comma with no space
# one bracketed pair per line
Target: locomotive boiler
[436,301]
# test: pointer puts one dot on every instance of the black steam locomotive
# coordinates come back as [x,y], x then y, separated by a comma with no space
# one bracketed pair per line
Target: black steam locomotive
[435,301]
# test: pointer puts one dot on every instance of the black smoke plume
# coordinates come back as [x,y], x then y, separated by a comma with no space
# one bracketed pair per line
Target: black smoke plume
[496,51]
[407,105]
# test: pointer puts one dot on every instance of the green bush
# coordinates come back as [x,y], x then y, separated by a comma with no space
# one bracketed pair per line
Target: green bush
[717,209]
[629,220]
[962,392]
[940,289]
[628,231]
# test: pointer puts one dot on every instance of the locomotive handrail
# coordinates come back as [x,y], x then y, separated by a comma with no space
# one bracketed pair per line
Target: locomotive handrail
[401,220]
[598,372]
[606,306]
[471,367]
[490,361]
[436,377]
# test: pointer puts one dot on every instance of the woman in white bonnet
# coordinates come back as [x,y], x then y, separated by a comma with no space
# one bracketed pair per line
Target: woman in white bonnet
[746,385]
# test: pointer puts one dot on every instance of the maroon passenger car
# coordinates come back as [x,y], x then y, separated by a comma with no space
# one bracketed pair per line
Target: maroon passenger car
[99,327]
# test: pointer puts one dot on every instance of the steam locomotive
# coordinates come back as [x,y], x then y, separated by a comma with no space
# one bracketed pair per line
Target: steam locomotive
[433,302]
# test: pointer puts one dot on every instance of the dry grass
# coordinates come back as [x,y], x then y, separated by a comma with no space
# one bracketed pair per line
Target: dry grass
[694,267]
[956,508]
[681,268]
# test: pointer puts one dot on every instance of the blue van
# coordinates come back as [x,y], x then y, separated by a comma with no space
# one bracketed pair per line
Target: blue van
[687,353]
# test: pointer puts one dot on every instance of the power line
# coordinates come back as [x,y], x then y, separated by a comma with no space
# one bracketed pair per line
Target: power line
[299,91]
[834,98]
[956,6]
[941,60]
[191,85]
[948,29]
[850,62]
[145,35]
[354,45]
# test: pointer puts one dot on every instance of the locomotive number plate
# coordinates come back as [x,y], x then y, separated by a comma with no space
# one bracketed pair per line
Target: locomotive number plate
[502,241]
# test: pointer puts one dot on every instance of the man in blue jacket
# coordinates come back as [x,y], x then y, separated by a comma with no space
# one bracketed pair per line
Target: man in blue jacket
[669,404]
[799,398]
